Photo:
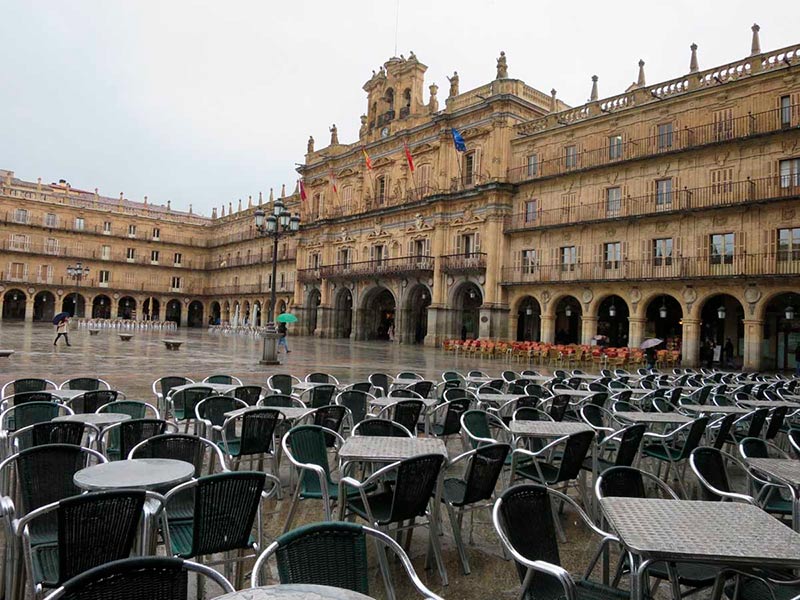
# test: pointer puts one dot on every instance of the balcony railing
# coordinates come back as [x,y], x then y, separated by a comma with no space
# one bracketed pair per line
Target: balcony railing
[308,275]
[662,268]
[463,263]
[402,265]
[714,196]
[254,259]
[750,125]
[248,288]
[10,279]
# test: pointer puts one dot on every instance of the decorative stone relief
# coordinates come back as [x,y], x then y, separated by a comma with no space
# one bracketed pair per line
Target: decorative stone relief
[787,214]
[752,294]
[587,296]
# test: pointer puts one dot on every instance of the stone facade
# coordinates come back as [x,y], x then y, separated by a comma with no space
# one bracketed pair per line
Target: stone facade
[669,210]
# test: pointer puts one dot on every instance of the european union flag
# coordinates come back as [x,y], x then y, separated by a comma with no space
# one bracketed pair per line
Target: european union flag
[458,141]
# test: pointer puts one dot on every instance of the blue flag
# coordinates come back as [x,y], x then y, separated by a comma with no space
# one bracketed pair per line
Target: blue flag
[458,141]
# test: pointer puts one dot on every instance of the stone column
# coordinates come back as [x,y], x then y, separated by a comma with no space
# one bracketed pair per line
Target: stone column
[358,318]
[513,319]
[2,300]
[690,348]
[437,318]
[636,327]
[184,314]
[548,328]
[588,329]
[753,339]
[29,309]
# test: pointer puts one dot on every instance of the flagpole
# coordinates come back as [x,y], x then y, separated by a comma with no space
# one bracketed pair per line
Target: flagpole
[371,174]
[409,162]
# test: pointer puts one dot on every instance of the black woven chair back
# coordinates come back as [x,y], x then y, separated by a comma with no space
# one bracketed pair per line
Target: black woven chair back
[629,444]
[594,415]
[91,401]
[357,402]
[724,430]
[477,423]
[407,412]
[594,386]
[423,388]
[497,384]
[180,446]
[623,406]
[526,402]
[282,382]
[83,383]
[414,486]
[167,383]
[558,407]
[135,431]
[361,386]
[223,379]
[754,448]
[307,443]
[318,378]
[598,399]
[154,578]
[528,413]
[710,463]
[133,408]
[509,376]
[452,376]
[214,408]
[693,438]
[484,469]
[25,397]
[776,420]
[674,396]
[454,393]
[31,413]
[330,417]
[575,450]
[96,528]
[526,516]
[380,381]
[248,393]
[64,432]
[277,400]
[452,417]
[720,400]
[625,482]
[380,427]
[332,553]
[225,508]
[29,384]
[536,390]
[322,395]
[402,393]
[757,420]
[258,431]
[189,398]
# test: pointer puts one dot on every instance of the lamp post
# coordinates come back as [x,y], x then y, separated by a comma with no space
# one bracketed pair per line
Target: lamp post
[277,225]
[77,272]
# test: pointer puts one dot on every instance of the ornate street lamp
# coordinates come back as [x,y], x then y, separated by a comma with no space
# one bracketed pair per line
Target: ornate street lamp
[721,312]
[276,225]
[529,310]
[662,312]
[568,311]
[612,310]
[77,272]
[789,314]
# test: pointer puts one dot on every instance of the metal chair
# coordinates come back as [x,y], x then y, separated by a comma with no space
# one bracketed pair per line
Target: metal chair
[250,394]
[258,428]
[223,379]
[22,415]
[416,483]
[404,393]
[181,446]
[478,426]
[280,401]
[759,448]
[331,416]
[283,383]
[405,412]
[334,554]
[210,414]
[49,432]
[133,408]
[359,386]
[181,405]
[26,398]
[450,424]
[381,382]
[163,386]
[322,378]
[29,384]
[152,577]
[319,395]
[89,402]
[409,375]
[380,427]
[357,403]
[85,383]
[117,440]
[674,448]
[423,387]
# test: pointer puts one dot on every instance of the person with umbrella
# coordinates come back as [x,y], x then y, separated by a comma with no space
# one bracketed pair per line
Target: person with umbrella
[283,319]
[649,347]
[61,321]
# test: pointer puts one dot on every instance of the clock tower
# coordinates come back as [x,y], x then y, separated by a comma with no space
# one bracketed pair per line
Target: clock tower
[394,98]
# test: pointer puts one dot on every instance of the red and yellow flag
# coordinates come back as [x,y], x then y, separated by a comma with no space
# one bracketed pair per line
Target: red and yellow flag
[333,181]
[408,157]
[302,190]
[367,161]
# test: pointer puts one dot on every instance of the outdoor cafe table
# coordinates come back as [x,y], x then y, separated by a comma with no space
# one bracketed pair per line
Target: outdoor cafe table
[383,449]
[669,418]
[97,419]
[65,395]
[294,591]
[385,401]
[710,409]
[139,473]
[770,404]
[292,413]
[785,471]
[546,429]
[719,533]
[479,380]
[220,388]
[575,393]
[499,399]
[302,386]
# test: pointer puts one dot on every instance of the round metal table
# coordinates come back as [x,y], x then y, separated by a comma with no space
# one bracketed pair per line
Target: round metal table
[96,419]
[142,473]
[295,591]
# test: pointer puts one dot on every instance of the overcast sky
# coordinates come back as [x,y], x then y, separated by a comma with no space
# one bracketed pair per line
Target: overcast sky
[205,102]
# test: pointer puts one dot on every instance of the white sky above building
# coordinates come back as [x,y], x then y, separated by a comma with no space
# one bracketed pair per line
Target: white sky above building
[206,102]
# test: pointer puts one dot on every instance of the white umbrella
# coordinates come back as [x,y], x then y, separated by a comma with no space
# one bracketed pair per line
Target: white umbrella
[651,343]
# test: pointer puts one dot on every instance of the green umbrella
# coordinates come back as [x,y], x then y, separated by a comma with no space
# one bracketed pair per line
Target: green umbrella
[286,318]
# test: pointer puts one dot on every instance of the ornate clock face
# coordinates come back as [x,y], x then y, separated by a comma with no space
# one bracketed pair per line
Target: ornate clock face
[385,132]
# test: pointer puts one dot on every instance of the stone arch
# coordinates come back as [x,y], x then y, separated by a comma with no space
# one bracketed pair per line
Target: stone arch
[721,318]
[74,304]
[466,300]
[568,313]
[246,316]
[126,308]
[663,314]
[313,300]
[226,312]
[343,313]
[613,320]
[14,302]
[101,307]
[195,314]
[414,315]
[377,314]
[528,313]
[44,306]
[257,313]
[780,312]
[281,306]
[173,311]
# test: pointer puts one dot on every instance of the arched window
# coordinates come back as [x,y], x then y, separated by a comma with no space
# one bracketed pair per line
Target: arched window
[389,97]
[381,188]
[407,97]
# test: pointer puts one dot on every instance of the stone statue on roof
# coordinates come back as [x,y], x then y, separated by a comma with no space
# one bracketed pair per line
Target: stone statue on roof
[334,135]
[502,66]
[453,84]
[310,147]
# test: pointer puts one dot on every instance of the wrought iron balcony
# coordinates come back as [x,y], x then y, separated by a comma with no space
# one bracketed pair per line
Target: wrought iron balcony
[385,267]
[308,275]
[469,262]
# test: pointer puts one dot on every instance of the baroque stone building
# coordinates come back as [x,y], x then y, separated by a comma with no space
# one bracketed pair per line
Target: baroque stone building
[669,210]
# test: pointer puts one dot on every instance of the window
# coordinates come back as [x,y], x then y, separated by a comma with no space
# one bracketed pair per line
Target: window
[612,254]
[571,157]
[130,280]
[17,271]
[723,125]
[51,246]
[378,253]
[533,165]
[282,281]
[347,199]
[790,173]
[344,257]
[131,254]
[421,248]
[45,273]
[20,215]
[176,283]
[131,230]
[177,259]
[613,201]
[105,278]
[664,137]
[467,244]
[154,256]
[156,233]
[721,248]
[313,261]
[569,257]
[662,252]
[721,182]
[529,261]
[80,224]
[381,189]
[105,253]
[615,147]
[470,168]
[663,193]
[786,111]
[50,220]
[789,244]
[20,241]
[531,208]
[107,227]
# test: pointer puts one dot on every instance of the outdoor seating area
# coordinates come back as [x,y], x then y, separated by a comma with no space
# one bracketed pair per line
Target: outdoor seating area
[316,484]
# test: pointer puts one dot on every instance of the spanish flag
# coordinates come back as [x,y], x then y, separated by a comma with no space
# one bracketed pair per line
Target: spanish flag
[302,190]
[367,161]
[408,158]
[333,181]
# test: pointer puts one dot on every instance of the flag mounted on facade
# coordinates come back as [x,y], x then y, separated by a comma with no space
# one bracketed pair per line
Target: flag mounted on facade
[409,158]
[302,190]
[333,181]
[367,161]
[458,141]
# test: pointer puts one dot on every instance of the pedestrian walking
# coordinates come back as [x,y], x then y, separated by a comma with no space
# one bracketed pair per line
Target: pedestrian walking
[282,331]
[728,351]
[62,328]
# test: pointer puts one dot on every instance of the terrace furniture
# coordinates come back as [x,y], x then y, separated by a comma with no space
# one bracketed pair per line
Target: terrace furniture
[126,337]
[172,344]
